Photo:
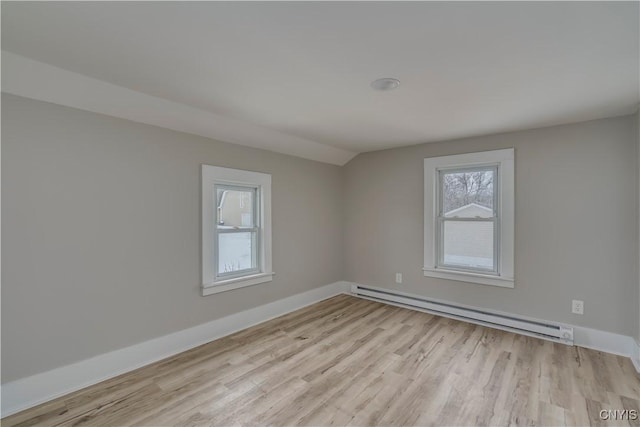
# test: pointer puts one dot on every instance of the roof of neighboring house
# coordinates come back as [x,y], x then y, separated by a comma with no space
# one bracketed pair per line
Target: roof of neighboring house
[471,210]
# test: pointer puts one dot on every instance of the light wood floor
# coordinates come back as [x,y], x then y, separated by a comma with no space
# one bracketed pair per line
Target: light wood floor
[349,361]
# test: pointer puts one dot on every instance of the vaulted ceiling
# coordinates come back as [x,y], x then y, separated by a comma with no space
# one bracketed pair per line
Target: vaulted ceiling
[299,73]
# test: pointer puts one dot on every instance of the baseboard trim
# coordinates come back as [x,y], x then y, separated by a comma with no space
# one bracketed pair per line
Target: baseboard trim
[608,342]
[40,388]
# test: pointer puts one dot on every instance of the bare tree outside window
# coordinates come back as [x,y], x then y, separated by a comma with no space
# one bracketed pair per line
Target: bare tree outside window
[463,188]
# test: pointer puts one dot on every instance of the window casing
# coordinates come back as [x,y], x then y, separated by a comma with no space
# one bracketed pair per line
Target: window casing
[236,229]
[469,217]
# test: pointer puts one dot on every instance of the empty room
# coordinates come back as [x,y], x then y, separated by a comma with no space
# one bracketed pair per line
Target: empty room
[320,213]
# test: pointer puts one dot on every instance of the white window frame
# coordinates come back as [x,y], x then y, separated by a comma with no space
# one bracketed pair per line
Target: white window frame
[441,219]
[219,276]
[504,193]
[213,176]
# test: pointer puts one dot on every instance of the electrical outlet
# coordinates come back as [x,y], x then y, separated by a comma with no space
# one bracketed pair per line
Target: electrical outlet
[398,277]
[577,306]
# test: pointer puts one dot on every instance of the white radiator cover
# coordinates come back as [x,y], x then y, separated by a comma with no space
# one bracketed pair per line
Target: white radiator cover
[535,328]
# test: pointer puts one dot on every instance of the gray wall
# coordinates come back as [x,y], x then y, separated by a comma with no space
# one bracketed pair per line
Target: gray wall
[576,223]
[101,229]
[101,232]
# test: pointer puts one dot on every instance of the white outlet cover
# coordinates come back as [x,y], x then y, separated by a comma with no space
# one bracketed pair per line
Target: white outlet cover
[577,306]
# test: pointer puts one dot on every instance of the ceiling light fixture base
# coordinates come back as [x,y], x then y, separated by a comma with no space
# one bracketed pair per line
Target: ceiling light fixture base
[385,83]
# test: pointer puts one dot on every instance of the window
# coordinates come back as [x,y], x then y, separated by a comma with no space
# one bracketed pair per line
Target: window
[469,223]
[236,229]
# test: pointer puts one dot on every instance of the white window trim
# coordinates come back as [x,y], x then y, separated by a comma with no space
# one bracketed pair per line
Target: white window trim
[504,159]
[212,175]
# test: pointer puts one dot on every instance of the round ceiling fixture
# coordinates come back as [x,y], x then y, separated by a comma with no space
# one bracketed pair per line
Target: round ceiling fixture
[385,83]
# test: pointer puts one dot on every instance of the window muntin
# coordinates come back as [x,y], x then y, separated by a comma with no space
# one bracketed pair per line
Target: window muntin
[468,224]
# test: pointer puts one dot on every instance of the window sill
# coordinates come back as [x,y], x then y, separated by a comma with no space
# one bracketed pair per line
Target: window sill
[235,283]
[462,276]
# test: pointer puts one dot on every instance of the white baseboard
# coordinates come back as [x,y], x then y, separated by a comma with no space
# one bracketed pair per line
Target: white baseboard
[28,392]
[608,342]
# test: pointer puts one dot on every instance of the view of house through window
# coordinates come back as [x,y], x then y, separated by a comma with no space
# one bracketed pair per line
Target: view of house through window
[467,219]
[236,230]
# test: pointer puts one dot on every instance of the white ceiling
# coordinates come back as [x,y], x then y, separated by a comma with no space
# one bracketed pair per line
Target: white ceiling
[304,69]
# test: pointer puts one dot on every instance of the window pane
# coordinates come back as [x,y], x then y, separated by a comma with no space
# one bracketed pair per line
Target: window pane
[236,251]
[467,194]
[468,244]
[235,207]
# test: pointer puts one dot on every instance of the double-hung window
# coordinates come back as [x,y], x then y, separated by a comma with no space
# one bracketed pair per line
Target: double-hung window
[236,225]
[236,233]
[469,217]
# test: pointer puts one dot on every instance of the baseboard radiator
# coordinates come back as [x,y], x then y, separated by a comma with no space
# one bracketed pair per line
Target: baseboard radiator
[549,331]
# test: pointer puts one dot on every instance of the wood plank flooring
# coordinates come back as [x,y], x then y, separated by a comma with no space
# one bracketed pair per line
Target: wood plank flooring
[350,361]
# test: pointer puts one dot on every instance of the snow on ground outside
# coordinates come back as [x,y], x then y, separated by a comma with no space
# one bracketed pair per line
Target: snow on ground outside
[235,252]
